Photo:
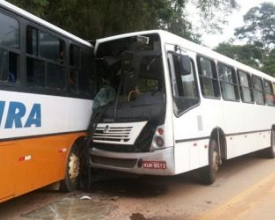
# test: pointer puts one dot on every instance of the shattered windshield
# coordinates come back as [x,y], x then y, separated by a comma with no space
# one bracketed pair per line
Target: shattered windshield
[131,76]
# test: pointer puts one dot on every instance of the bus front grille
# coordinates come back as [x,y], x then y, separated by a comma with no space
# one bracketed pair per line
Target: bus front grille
[118,133]
[112,133]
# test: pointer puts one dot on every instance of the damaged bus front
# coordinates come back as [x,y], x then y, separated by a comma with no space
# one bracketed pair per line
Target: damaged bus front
[127,128]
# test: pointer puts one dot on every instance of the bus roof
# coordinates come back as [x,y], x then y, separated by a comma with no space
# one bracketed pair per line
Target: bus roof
[169,38]
[42,22]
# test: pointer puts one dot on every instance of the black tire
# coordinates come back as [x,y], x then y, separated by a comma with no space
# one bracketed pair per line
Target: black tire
[208,173]
[72,176]
[270,151]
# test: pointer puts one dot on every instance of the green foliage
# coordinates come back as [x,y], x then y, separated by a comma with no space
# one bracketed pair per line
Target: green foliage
[259,32]
[269,64]
[259,28]
[247,54]
[37,7]
[250,55]
[214,13]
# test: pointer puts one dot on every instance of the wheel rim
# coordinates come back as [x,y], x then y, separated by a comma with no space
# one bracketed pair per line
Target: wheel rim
[74,167]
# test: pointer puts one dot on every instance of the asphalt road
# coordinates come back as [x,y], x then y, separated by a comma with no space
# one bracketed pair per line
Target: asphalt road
[245,189]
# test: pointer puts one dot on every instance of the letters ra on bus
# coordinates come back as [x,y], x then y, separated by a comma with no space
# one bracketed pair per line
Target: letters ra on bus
[18,115]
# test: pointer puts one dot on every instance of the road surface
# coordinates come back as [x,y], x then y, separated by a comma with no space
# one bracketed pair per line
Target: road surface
[245,189]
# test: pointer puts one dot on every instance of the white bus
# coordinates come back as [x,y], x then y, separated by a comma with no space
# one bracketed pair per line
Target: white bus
[46,89]
[178,106]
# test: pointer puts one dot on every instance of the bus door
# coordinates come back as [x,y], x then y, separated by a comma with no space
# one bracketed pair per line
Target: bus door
[183,82]
[185,97]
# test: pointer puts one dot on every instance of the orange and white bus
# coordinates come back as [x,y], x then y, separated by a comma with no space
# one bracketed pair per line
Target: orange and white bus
[169,106]
[46,88]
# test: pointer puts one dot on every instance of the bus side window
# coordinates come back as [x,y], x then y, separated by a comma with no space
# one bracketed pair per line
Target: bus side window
[51,50]
[269,94]
[185,89]
[245,86]
[56,76]
[9,57]
[45,59]
[86,79]
[35,72]
[74,68]
[32,41]
[208,77]
[35,66]
[258,90]
[13,67]
[228,82]
[4,65]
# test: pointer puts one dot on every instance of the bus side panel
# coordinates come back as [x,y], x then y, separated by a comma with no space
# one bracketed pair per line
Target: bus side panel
[47,157]
[8,152]
[192,131]
[249,143]
[35,163]
[191,155]
[247,128]
[198,153]
[182,159]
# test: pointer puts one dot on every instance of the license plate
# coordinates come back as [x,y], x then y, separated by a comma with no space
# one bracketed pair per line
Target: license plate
[154,165]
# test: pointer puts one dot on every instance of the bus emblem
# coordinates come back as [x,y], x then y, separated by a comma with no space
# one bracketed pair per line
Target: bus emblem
[106,129]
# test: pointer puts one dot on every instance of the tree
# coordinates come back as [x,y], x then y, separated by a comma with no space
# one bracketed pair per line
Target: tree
[247,54]
[214,13]
[259,31]
[269,64]
[259,28]
[37,7]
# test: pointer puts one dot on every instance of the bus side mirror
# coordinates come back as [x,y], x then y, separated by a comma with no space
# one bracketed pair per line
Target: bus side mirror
[185,64]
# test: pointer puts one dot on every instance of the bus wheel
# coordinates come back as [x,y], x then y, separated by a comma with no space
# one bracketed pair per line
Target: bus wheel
[270,152]
[208,173]
[72,177]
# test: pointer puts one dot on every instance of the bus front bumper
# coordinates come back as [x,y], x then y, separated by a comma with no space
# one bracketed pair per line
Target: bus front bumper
[159,162]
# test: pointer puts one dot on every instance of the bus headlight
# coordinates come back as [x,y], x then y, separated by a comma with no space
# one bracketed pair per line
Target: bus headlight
[159,142]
